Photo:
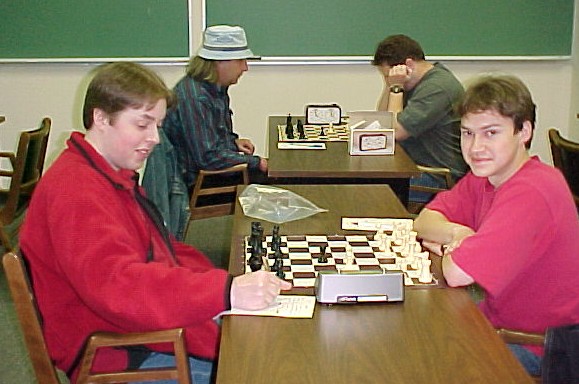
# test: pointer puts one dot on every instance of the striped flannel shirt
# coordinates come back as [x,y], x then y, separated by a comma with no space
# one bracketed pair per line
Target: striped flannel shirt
[200,129]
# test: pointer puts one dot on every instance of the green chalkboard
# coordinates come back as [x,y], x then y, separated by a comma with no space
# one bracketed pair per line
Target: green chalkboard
[334,28]
[93,29]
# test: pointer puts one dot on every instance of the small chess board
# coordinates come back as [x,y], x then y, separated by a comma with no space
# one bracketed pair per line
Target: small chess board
[301,253]
[313,133]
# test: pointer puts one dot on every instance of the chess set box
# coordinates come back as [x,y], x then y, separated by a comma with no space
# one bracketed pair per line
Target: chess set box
[371,133]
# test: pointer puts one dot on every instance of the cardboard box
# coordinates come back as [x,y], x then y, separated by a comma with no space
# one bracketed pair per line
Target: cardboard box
[371,133]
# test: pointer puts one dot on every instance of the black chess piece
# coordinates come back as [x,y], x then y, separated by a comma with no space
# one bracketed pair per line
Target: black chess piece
[302,133]
[255,261]
[276,243]
[323,257]
[278,267]
[322,132]
[289,127]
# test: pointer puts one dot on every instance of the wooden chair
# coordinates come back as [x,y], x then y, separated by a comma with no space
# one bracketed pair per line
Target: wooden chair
[44,369]
[415,207]
[27,166]
[517,337]
[212,196]
[566,158]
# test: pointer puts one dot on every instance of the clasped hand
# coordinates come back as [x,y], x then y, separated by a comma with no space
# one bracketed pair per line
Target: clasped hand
[458,234]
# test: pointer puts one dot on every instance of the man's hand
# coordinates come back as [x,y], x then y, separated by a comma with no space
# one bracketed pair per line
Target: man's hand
[459,233]
[263,165]
[433,247]
[256,290]
[245,146]
[398,75]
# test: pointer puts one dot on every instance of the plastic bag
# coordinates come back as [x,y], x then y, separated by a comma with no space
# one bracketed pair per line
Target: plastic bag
[276,205]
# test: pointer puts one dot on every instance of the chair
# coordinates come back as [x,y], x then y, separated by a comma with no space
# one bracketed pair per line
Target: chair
[517,337]
[214,191]
[566,158]
[44,369]
[27,165]
[415,207]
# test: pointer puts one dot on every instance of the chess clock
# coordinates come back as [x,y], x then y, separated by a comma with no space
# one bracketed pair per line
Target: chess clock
[323,114]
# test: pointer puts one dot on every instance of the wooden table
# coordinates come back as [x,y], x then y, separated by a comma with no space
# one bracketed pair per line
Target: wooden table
[334,165]
[435,336]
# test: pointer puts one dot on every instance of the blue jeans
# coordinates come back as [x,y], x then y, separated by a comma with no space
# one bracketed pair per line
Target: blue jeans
[426,180]
[201,370]
[528,359]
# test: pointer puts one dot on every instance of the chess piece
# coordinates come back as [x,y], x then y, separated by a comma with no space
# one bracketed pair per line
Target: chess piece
[301,132]
[322,133]
[323,258]
[277,266]
[275,239]
[425,274]
[289,128]
[276,243]
[255,261]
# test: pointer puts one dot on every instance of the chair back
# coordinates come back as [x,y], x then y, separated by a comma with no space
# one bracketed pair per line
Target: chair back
[415,207]
[29,318]
[511,336]
[214,191]
[566,158]
[27,167]
[30,321]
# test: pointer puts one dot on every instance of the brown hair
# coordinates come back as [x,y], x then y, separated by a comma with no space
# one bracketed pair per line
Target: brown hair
[202,69]
[121,85]
[505,94]
[395,49]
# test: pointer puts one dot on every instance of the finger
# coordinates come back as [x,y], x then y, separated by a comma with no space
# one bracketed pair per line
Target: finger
[285,285]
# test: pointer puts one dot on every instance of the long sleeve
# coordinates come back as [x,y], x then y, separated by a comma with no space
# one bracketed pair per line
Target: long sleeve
[200,128]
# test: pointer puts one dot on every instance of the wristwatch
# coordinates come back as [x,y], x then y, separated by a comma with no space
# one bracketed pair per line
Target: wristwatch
[396,89]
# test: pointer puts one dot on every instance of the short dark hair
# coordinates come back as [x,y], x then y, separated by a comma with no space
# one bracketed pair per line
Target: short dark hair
[120,85]
[395,49]
[505,94]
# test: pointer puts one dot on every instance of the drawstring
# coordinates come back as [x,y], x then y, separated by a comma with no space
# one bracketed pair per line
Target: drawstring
[153,212]
[147,205]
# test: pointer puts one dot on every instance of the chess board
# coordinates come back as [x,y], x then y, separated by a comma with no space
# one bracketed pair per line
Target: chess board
[345,253]
[313,133]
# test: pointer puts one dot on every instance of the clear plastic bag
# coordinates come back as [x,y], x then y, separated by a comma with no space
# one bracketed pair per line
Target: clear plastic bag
[276,205]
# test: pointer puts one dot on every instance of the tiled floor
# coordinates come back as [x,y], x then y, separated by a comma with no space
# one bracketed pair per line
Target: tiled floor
[212,236]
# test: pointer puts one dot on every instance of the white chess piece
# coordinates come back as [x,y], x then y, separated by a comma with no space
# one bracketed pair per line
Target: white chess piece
[425,274]
[349,259]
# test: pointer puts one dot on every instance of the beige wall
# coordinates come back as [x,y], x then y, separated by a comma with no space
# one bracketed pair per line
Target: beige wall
[29,91]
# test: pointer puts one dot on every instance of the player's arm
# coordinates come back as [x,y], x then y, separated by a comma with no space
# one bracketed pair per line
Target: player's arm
[453,274]
[392,98]
[434,227]
[438,234]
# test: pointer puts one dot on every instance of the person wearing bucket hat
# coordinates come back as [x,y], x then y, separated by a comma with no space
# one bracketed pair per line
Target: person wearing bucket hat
[200,125]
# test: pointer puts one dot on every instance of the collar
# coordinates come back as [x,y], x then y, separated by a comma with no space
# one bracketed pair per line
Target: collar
[121,179]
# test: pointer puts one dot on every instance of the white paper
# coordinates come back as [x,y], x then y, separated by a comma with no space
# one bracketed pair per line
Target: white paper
[373,224]
[294,306]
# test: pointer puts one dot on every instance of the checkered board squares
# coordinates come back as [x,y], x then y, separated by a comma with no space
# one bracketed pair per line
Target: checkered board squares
[301,253]
[313,133]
